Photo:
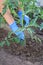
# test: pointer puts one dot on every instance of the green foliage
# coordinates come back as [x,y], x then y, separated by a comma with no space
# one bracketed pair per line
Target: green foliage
[28,6]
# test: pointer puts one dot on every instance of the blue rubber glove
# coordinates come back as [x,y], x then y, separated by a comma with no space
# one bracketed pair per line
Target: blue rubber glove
[14,28]
[26,18]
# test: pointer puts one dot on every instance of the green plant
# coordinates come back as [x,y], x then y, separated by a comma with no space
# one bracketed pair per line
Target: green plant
[29,7]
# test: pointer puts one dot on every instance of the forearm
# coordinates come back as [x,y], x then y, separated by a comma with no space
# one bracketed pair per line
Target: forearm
[8,17]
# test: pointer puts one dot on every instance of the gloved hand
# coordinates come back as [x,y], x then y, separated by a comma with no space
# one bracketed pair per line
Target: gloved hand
[26,18]
[14,28]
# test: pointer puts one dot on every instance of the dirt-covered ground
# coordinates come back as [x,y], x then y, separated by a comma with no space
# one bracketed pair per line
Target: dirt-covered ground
[31,54]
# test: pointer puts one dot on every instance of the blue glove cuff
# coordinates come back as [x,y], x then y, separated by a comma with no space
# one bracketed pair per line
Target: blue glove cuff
[14,28]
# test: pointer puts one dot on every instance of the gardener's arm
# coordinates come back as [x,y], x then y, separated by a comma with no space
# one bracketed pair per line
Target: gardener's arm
[12,23]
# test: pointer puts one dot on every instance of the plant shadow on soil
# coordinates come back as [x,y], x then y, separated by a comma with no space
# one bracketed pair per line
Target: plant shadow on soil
[31,52]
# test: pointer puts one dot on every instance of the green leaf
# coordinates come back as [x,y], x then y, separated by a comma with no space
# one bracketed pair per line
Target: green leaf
[2,43]
[4,10]
[31,32]
[9,34]
[17,40]
[7,42]
[41,26]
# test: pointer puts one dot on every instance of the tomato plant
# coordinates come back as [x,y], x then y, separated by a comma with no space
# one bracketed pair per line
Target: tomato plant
[29,8]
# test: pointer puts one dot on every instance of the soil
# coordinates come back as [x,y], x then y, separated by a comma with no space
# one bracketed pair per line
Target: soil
[15,54]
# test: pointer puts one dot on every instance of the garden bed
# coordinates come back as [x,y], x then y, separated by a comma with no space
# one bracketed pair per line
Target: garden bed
[32,52]
[11,52]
